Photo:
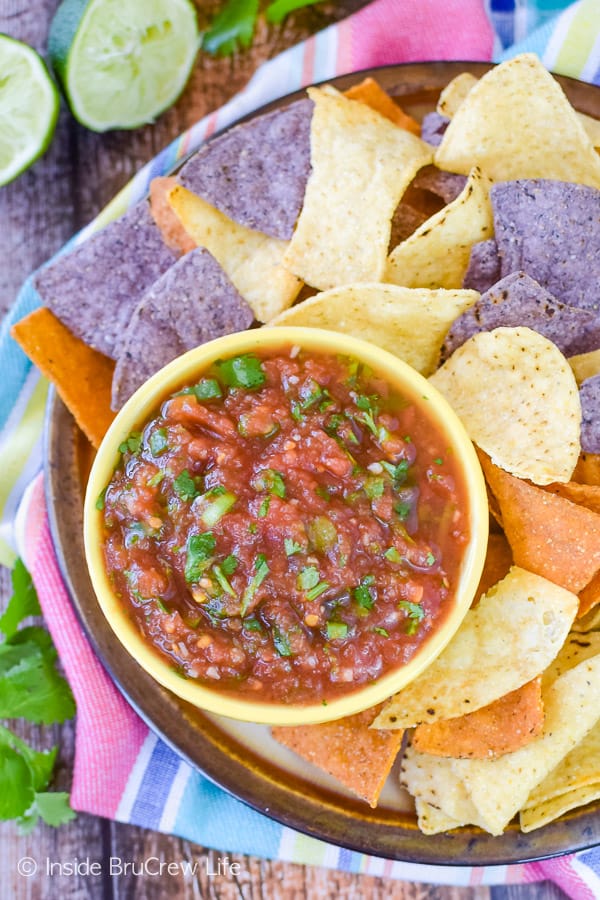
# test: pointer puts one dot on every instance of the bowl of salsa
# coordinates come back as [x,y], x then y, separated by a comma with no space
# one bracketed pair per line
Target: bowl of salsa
[285,526]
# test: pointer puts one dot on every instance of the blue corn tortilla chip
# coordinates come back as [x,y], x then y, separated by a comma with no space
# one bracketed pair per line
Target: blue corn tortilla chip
[256,173]
[447,185]
[484,266]
[433,127]
[405,220]
[519,300]
[95,288]
[551,230]
[589,394]
[193,302]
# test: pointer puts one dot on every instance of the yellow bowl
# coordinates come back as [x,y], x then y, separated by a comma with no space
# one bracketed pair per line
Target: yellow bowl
[188,368]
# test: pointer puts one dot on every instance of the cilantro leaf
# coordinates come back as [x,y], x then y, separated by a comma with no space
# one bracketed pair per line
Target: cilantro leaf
[53,807]
[279,9]
[31,686]
[281,642]
[415,613]
[199,550]
[232,27]
[17,792]
[23,603]
[185,486]
[40,763]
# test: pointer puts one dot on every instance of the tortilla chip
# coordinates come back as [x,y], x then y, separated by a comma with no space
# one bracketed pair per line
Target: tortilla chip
[519,300]
[576,649]
[484,266]
[405,221]
[587,495]
[432,820]
[348,749]
[517,397]
[588,623]
[81,375]
[499,788]
[501,727]
[94,288]
[503,129]
[256,173]
[585,365]
[589,596]
[433,128]
[454,94]
[174,234]
[548,534]
[251,260]
[360,161]
[551,230]
[589,395]
[371,93]
[192,303]
[587,470]
[431,780]
[498,562]
[548,810]
[437,254]
[446,185]
[410,323]
[508,639]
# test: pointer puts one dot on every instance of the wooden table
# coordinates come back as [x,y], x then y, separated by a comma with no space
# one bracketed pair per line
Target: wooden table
[66,189]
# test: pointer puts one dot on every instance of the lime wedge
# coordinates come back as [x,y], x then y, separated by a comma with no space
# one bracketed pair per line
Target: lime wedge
[122,63]
[29,105]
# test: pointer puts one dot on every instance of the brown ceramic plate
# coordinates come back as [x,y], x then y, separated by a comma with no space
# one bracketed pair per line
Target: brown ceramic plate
[280,786]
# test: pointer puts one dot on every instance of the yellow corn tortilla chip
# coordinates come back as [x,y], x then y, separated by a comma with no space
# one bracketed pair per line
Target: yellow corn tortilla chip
[431,780]
[456,92]
[517,397]
[412,324]
[509,638]
[173,233]
[432,820]
[501,727]
[499,788]
[547,811]
[361,165]
[587,470]
[585,365]
[251,260]
[575,650]
[437,254]
[357,756]
[516,122]
[498,561]
[588,623]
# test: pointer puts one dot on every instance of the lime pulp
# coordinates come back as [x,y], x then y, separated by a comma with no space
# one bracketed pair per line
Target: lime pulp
[121,64]
[29,105]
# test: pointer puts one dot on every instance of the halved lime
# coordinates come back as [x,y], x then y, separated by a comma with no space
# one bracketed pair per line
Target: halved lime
[122,62]
[29,105]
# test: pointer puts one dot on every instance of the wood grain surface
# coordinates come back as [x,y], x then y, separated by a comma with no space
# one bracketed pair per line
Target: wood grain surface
[38,213]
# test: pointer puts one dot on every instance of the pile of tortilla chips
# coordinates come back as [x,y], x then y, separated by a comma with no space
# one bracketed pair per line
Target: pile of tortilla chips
[469,247]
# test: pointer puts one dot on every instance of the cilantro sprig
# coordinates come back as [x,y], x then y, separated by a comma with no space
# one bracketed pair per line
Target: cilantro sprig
[233,27]
[31,687]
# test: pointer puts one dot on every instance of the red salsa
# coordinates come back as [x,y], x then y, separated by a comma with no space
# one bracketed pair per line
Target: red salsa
[287,527]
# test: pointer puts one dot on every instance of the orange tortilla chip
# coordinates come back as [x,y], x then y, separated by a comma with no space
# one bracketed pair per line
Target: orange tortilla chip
[587,495]
[174,234]
[507,724]
[498,562]
[587,470]
[590,596]
[82,376]
[357,756]
[549,535]
[371,93]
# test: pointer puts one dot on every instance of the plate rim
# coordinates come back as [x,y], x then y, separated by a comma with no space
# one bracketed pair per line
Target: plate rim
[395,840]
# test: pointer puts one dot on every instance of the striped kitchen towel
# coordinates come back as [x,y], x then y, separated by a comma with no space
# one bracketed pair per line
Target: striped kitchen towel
[122,770]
